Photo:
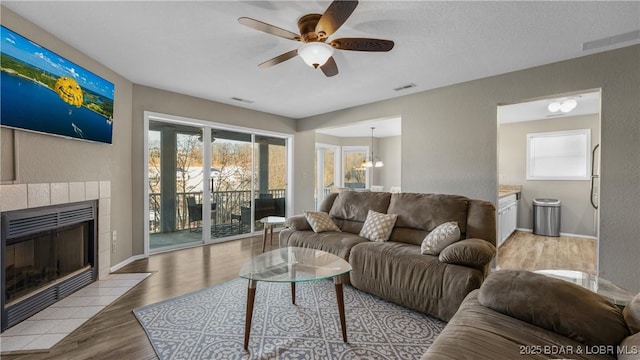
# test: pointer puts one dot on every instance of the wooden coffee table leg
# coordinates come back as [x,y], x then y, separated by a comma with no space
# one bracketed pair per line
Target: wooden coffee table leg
[251,295]
[340,297]
[293,293]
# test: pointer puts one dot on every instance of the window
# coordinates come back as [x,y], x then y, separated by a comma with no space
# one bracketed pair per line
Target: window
[559,155]
[354,175]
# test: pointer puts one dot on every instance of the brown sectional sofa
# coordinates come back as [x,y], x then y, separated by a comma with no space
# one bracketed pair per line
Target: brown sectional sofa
[523,315]
[396,270]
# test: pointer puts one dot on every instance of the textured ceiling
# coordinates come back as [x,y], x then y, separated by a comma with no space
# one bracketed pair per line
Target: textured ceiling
[200,49]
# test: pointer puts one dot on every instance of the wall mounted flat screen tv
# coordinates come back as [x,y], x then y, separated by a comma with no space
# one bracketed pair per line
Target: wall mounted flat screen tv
[46,93]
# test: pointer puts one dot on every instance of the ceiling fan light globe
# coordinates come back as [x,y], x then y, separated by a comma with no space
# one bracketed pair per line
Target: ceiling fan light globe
[568,105]
[315,54]
[554,106]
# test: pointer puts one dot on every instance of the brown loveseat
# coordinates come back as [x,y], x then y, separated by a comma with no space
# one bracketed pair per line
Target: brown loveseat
[396,270]
[523,315]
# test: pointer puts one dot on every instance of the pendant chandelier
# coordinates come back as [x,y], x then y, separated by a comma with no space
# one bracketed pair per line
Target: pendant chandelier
[372,161]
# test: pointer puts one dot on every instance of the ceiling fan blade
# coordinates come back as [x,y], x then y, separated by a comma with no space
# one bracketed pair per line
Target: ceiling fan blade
[280,58]
[362,44]
[268,28]
[330,68]
[335,15]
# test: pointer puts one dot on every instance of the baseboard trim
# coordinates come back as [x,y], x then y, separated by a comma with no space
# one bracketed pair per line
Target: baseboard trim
[127,262]
[563,234]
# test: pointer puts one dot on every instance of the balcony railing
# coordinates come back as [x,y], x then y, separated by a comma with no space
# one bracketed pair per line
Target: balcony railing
[227,203]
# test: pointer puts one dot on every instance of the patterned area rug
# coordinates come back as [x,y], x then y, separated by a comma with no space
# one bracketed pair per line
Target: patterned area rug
[209,324]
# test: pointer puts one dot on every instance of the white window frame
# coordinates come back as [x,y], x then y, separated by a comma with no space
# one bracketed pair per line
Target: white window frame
[532,174]
[337,164]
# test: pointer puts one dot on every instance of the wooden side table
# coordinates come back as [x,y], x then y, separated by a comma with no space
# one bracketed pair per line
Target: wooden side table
[269,222]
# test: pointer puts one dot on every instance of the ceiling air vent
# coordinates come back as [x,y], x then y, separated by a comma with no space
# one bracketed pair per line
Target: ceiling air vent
[611,40]
[242,100]
[404,87]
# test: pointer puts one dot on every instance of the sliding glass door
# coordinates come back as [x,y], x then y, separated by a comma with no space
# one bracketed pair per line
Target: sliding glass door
[231,182]
[271,178]
[209,184]
[175,185]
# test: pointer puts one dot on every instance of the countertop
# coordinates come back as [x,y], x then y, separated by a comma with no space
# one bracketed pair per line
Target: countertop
[506,190]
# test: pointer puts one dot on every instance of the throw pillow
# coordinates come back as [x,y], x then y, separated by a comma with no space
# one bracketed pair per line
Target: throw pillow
[378,226]
[441,237]
[476,253]
[556,305]
[320,221]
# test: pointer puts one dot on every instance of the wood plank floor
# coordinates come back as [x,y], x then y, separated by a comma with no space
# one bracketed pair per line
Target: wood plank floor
[527,251]
[116,334]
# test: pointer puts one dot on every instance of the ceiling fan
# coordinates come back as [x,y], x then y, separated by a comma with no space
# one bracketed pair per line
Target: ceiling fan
[315,29]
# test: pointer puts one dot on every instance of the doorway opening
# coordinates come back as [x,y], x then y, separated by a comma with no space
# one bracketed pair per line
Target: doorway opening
[548,176]
[345,157]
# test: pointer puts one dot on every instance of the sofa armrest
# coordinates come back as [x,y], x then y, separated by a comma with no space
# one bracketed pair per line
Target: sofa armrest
[476,253]
[297,222]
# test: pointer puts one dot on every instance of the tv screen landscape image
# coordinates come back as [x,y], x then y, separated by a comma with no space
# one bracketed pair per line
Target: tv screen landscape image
[44,92]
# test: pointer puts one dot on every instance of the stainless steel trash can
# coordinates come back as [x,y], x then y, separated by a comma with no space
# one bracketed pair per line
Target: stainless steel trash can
[546,217]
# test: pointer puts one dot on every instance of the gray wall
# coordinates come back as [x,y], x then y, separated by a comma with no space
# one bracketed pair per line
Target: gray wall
[578,216]
[390,151]
[45,158]
[450,140]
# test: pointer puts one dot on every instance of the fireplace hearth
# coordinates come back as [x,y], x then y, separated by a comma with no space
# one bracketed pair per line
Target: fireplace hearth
[47,254]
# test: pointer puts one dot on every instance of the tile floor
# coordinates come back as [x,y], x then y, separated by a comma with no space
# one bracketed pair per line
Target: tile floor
[46,328]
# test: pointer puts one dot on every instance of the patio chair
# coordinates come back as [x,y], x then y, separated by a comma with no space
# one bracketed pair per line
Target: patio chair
[195,213]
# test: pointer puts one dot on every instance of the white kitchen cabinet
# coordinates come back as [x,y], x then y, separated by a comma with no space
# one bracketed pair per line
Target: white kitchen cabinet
[507,217]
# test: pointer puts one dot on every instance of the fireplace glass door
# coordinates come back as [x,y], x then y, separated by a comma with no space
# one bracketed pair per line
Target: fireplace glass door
[40,260]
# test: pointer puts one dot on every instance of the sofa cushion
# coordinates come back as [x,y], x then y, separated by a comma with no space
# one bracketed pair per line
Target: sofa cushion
[556,305]
[337,243]
[441,237]
[354,205]
[478,332]
[378,226]
[629,348]
[320,221]
[632,314]
[427,211]
[469,252]
[399,273]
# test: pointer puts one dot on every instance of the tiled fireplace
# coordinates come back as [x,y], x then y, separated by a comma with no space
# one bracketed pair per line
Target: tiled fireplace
[55,240]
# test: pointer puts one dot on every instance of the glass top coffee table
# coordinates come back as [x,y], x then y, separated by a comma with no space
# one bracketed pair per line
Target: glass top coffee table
[614,293]
[292,265]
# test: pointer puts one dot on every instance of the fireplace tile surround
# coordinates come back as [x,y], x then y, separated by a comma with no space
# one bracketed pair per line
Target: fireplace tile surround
[24,196]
